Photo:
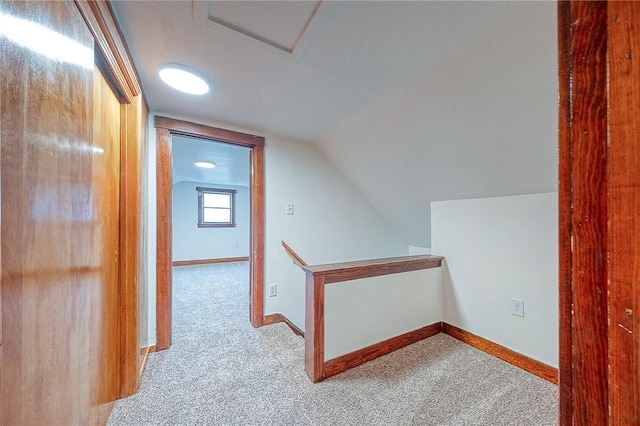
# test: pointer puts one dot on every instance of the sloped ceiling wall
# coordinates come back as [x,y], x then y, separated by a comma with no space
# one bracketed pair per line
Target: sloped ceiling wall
[413,102]
[482,123]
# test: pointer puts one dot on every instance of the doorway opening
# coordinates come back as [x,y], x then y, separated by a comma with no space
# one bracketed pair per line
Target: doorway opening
[166,128]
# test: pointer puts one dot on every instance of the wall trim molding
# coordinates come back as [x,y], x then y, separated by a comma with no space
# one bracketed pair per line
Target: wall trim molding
[277,317]
[209,261]
[369,353]
[530,365]
[99,18]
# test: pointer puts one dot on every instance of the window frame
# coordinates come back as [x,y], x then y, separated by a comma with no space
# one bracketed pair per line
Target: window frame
[206,190]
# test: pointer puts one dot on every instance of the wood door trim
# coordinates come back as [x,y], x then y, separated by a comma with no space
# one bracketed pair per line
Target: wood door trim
[130,242]
[106,33]
[623,195]
[165,127]
[583,212]
[186,128]
[164,200]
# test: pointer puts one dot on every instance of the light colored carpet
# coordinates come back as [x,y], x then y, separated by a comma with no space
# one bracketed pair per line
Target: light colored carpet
[222,371]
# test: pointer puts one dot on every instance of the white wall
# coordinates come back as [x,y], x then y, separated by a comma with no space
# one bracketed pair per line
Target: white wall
[481,122]
[332,221]
[358,313]
[191,242]
[497,249]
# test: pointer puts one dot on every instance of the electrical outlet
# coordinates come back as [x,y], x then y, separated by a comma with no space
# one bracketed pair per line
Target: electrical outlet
[273,290]
[517,307]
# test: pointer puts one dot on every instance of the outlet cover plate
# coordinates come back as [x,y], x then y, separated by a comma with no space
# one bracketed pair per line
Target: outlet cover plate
[517,307]
[273,290]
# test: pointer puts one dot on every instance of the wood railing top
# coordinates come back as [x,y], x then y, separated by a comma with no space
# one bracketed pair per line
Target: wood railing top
[296,258]
[346,271]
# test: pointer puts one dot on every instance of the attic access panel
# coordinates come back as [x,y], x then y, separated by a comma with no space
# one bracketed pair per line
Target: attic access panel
[279,24]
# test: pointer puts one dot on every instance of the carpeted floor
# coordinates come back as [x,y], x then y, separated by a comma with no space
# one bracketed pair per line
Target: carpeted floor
[222,371]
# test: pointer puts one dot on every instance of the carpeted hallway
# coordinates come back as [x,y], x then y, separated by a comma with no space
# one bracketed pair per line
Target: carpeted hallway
[222,371]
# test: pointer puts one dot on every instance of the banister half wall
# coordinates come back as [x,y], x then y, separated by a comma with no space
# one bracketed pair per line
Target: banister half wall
[358,311]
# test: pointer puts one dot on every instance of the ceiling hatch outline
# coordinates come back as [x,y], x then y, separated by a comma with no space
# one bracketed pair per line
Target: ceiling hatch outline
[286,43]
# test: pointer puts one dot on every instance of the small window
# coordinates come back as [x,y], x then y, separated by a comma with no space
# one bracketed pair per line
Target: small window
[216,207]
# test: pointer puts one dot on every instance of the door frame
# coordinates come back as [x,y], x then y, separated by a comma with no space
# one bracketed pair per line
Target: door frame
[599,192]
[165,128]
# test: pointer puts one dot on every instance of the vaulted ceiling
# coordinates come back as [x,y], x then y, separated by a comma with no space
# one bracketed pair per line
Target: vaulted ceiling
[413,101]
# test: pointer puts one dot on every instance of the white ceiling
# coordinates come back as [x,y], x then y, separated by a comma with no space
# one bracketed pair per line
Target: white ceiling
[351,53]
[418,100]
[232,162]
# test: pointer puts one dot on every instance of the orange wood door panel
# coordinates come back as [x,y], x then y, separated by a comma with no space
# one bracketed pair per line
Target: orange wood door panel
[105,208]
[48,273]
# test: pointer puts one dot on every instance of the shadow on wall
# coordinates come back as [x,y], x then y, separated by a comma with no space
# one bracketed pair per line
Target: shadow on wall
[449,300]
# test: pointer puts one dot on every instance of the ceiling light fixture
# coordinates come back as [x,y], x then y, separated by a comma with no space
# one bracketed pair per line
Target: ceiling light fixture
[183,79]
[205,164]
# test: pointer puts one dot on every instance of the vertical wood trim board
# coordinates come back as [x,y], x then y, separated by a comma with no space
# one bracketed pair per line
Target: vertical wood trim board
[257,205]
[583,378]
[565,375]
[623,191]
[314,327]
[599,192]
[130,243]
[163,238]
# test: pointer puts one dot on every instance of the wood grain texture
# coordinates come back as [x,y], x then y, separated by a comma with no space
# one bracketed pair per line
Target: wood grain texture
[623,189]
[105,310]
[314,327]
[278,317]
[583,212]
[165,127]
[143,277]
[209,261]
[164,201]
[531,365]
[293,255]
[49,279]
[185,128]
[353,359]
[565,294]
[347,271]
[99,19]
[130,243]
[257,218]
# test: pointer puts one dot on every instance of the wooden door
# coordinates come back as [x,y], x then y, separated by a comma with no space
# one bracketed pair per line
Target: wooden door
[105,338]
[48,274]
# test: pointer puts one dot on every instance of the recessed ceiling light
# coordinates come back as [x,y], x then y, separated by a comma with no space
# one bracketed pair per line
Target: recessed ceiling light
[183,79]
[205,164]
